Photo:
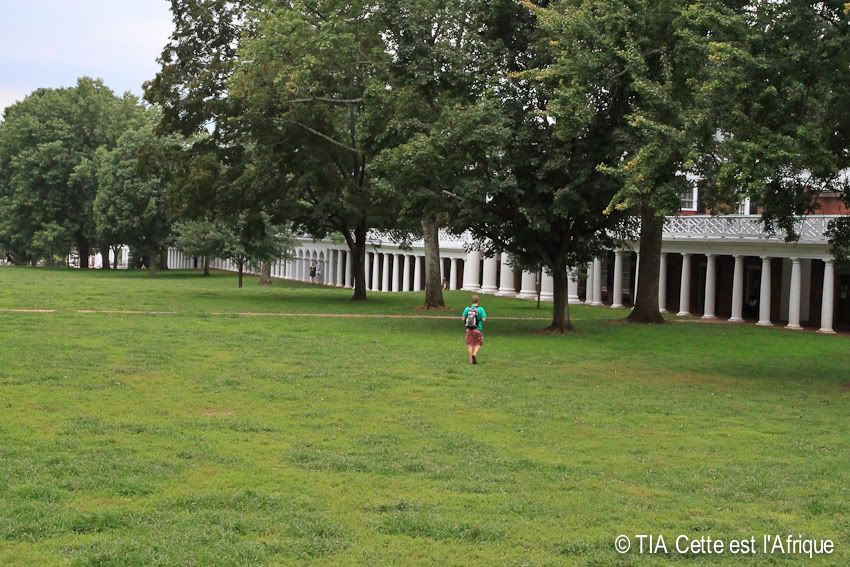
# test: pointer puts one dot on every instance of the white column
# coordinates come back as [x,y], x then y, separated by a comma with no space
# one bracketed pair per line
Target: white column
[367,262]
[453,275]
[349,269]
[376,272]
[662,284]
[491,265]
[738,290]
[385,274]
[710,287]
[597,281]
[794,297]
[572,286]
[405,272]
[828,298]
[417,274]
[588,284]
[472,271]
[529,286]
[340,269]
[396,272]
[547,287]
[764,296]
[685,287]
[506,287]
[617,299]
[637,278]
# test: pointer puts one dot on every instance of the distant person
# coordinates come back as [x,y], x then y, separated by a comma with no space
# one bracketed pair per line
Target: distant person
[313,272]
[473,318]
[319,273]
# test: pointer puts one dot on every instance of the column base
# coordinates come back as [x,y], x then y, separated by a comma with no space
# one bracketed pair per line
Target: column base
[764,324]
[683,314]
[489,289]
[572,300]
[527,296]
[596,303]
[826,331]
[662,310]
[506,294]
[339,285]
[471,288]
[736,320]
[793,327]
[547,297]
[617,306]
[708,317]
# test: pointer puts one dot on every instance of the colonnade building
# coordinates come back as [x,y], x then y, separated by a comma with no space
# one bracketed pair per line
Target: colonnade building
[714,267]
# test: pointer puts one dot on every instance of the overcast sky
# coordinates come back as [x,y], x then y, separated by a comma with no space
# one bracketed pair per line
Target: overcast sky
[49,43]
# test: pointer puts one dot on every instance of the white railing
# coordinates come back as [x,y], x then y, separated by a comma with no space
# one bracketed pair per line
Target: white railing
[811,228]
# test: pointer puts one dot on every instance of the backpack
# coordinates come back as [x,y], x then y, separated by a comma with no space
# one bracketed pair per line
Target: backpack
[472,318]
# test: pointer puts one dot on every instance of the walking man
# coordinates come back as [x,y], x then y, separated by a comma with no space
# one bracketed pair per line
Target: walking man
[474,317]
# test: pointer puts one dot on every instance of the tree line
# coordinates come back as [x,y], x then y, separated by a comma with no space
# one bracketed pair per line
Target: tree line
[551,130]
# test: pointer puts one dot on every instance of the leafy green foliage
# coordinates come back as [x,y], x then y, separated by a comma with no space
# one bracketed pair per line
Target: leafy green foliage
[46,202]
[131,206]
[250,241]
[779,94]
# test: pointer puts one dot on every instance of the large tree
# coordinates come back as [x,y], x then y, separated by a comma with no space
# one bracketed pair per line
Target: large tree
[45,208]
[303,82]
[432,129]
[660,54]
[780,99]
[545,201]
[131,206]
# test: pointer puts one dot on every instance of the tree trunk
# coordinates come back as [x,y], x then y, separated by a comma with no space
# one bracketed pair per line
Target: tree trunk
[163,258]
[104,256]
[153,263]
[266,274]
[206,265]
[433,277]
[83,251]
[241,265]
[646,303]
[561,322]
[358,262]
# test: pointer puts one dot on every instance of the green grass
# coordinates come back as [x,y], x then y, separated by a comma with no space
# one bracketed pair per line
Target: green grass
[197,438]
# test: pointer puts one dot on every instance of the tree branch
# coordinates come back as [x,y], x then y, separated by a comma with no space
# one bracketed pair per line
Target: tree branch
[320,134]
[325,99]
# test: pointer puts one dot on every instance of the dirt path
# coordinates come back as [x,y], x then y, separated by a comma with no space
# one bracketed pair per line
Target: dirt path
[260,314]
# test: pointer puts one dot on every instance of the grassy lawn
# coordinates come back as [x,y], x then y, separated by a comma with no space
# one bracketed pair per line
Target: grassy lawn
[201,438]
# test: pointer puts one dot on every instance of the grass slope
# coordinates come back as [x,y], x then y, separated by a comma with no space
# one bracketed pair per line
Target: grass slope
[199,439]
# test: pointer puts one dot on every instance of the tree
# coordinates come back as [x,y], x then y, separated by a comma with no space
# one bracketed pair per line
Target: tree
[253,240]
[545,200]
[431,128]
[200,238]
[302,82]
[659,54]
[131,206]
[45,208]
[779,99]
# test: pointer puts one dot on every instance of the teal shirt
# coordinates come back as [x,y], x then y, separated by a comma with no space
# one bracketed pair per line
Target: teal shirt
[481,316]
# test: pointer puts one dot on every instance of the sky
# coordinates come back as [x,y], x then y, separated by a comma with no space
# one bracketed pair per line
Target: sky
[50,43]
